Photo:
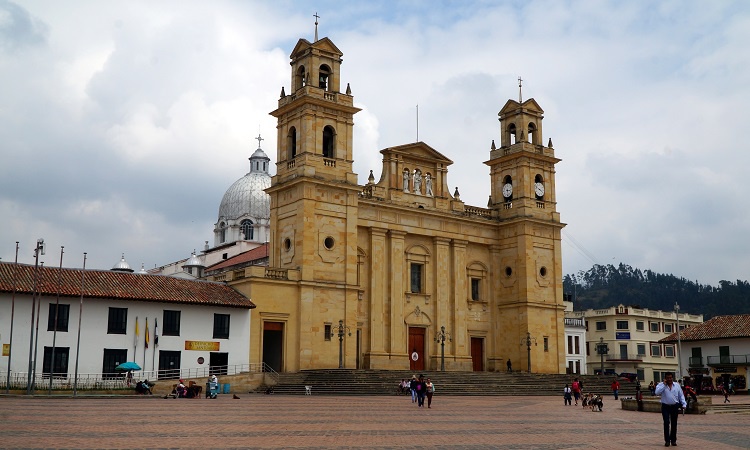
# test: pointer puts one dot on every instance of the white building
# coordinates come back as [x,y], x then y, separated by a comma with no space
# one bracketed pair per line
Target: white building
[575,342]
[632,337]
[715,352]
[181,324]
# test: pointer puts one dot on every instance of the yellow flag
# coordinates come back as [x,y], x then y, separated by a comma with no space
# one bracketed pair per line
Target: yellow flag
[137,333]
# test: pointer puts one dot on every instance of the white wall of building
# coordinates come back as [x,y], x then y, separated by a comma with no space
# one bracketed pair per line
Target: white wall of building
[196,324]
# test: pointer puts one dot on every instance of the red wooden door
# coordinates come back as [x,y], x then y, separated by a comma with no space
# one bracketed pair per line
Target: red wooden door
[416,348]
[477,354]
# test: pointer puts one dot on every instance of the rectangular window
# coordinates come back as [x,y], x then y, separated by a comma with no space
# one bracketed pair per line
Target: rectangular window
[668,328]
[622,324]
[475,288]
[641,349]
[587,349]
[570,344]
[654,326]
[655,350]
[669,351]
[601,326]
[546,344]
[328,332]
[221,326]
[117,321]
[724,354]
[169,364]
[641,374]
[113,357]
[577,346]
[171,323]
[639,326]
[60,367]
[416,278]
[63,311]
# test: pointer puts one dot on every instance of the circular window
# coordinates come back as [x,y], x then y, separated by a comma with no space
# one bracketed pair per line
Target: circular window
[508,271]
[329,242]
[287,244]
[543,271]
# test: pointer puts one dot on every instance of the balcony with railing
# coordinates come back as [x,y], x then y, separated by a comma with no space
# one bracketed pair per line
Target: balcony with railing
[728,360]
[574,322]
[695,361]
[623,357]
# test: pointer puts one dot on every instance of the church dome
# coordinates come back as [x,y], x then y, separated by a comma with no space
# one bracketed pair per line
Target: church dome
[246,197]
[122,266]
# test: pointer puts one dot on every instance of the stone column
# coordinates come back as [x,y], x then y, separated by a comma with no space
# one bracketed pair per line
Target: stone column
[460,307]
[378,282]
[397,342]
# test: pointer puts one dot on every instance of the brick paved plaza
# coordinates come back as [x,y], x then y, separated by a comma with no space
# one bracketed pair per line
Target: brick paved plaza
[276,421]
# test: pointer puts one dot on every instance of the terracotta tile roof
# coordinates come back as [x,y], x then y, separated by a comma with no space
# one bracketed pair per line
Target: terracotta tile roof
[719,327]
[244,257]
[120,285]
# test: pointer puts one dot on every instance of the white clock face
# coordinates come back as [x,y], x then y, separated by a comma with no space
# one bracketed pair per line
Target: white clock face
[539,189]
[507,190]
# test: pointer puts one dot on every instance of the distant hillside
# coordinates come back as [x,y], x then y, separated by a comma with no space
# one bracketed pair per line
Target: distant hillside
[604,286]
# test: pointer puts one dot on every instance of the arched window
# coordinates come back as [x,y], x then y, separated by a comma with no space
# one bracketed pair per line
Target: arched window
[299,79]
[328,142]
[222,232]
[512,133]
[292,142]
[532,133]
[246,227]
[323,74]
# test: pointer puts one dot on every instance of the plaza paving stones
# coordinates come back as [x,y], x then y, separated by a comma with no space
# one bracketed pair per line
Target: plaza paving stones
[316,422]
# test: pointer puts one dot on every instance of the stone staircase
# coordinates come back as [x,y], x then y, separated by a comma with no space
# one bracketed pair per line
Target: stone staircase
[384,382]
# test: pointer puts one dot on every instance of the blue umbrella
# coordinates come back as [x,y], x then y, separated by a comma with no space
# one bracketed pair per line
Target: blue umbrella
[124,367]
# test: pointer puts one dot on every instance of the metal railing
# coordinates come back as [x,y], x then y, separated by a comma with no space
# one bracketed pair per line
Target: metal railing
[728,359]
[623,357]
[695,361]
[98,381]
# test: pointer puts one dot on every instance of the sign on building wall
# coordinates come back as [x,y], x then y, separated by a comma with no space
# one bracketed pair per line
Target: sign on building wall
[206,346]
[6,349]
[622,335]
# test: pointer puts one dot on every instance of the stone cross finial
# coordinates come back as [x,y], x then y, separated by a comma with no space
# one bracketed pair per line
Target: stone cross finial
[316,25]
[259,139]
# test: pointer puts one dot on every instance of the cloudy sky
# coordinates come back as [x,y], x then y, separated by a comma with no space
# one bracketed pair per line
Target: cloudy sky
[122,123]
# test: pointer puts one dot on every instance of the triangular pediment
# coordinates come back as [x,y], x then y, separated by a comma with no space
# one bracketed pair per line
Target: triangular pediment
[417,151]
[529,105]
[324,45]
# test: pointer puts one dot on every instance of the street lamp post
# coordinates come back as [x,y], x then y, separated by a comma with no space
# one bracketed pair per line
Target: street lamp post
[341,328]
[679,342]
[602,349]
[441,336]
[38,249]
[528,340]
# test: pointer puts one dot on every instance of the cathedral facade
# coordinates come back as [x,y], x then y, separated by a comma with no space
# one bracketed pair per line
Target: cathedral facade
[400,273]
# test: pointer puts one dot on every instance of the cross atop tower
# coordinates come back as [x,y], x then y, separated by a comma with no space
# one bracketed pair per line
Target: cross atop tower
[520,98]
[259,139]
[316,25]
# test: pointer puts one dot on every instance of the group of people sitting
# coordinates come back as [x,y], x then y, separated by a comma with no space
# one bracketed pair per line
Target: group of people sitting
[192,390]
[144,387]
[593,401]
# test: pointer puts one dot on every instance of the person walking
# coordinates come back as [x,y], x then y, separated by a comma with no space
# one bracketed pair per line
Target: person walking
[567,395]
[510,366]
[615,387]
[672,399]
[651,388]
[725,391]
[413,388]
[576,388]
[430,390]
[421,390]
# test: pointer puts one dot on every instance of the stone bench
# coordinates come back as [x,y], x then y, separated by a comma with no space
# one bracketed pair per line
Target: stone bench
[653,404]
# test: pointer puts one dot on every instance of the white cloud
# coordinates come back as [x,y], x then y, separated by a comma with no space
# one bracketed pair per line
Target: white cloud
[121,127]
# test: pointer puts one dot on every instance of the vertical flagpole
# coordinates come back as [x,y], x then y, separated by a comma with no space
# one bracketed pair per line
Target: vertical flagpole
[145,346]
[135,340]
[80,314]
[156,342]
[12,314]
[54,332]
